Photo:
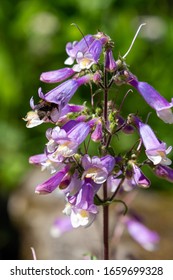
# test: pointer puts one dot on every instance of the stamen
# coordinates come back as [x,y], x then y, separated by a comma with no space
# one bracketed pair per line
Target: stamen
[148,115]
[130,90]
[132,43]
[74,24]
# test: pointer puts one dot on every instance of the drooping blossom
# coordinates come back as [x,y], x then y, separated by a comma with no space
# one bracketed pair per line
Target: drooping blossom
[61,226]
[45,163]
[155,150]
[80,207]
[154,99]
[62,94]
[135,178]
[132,179]
[71,184]
[56,76]
[52,183]
[147,238]
[164,172]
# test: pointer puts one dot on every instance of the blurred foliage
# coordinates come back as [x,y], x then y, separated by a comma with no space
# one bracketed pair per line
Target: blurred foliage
[33,35]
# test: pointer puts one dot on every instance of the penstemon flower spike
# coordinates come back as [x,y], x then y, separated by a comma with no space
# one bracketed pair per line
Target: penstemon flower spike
[87,178]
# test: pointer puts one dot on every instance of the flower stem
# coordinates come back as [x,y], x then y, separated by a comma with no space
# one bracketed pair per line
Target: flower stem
[105,225]
[105,111]
[106,207]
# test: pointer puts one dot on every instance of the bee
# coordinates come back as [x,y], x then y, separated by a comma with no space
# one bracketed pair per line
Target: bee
[44,109]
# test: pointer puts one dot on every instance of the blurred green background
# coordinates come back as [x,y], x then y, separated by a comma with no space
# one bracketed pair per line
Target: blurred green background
[33,35]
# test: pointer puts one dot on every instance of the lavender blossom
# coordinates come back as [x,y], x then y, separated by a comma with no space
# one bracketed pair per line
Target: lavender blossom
[136,178]
[52,183]
[45,163]
[156,150]
[61,226]
[56,76]
[71,184]
[97,134]
[73,48]
[62,94]
[155,100]
[38,159]
[65,142]
[110,63]
[81,207]
[164,172]
[147,238]
[87,59]
[96,168]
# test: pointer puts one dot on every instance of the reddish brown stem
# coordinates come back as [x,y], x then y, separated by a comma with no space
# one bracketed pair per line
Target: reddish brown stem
[105,225]
[106,207]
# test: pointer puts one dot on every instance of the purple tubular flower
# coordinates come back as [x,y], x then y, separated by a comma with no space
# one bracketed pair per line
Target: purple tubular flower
[137,179]
[69,108]
[70,185]
[52,183]
[110,63]
[81,207]
[56,76]
[95,50]
[78,132]
[61,226]
[38,159]
[155,150]
[155,100]
[147,238]
[73,48]
[97,134]
[85,198]
[45,163]
[64,142]
[64,92]
[87,59]
[72,108]
[70,50]
[113,181]
[134,179]
[96,168]
[164,172]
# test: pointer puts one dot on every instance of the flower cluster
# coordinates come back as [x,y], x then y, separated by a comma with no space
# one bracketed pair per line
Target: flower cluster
[78,173]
